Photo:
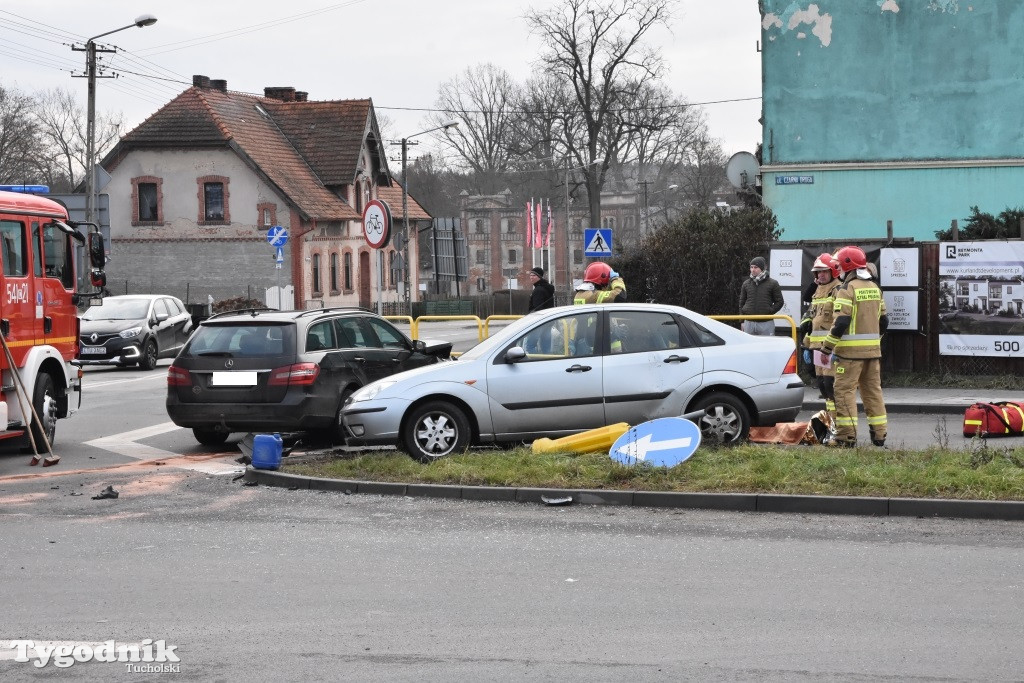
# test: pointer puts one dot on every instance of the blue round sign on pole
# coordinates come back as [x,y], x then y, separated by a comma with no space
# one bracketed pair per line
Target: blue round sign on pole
[666,441]
[277,236]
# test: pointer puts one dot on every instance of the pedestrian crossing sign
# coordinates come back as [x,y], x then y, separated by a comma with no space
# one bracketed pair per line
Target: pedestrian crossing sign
[597,242]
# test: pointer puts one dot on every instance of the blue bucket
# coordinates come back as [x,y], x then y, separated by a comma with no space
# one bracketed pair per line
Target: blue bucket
[266,451]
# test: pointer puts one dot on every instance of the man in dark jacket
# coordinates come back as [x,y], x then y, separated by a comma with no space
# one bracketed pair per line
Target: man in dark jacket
[543,295]
[760,295]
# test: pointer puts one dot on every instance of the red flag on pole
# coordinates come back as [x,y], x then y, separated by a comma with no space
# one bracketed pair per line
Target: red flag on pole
[547,239]
[529,224]
[539,239]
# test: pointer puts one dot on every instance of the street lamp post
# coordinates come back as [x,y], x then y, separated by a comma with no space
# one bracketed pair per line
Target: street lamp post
[647,208]
[405,207]
[90,126]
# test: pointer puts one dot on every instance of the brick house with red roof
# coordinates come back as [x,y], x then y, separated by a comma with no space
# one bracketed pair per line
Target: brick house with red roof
[196,186]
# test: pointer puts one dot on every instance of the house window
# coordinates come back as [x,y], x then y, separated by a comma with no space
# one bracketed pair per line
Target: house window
[481,256]
[348,271]
[577,256]
[147,200]
[316,274]
[479,225]
[334,272]
[213,200]
[481,284]
[359,197]
[266,214]
[391,269]
[512,256]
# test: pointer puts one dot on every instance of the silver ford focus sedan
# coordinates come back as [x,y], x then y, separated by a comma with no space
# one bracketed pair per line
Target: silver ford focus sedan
[565,370]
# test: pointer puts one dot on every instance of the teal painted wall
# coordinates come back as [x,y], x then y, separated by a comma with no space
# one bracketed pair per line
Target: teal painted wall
[891,82]
[857,204]
[872,80]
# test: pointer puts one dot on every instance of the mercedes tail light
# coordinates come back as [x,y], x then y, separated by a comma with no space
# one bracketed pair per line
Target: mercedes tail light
[298,374]
[178,377]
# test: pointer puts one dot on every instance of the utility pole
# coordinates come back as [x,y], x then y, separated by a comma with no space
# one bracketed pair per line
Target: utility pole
[90,50]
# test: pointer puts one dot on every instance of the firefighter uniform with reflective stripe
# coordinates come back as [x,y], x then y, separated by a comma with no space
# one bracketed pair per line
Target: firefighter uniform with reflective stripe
[855,338]
[820,316]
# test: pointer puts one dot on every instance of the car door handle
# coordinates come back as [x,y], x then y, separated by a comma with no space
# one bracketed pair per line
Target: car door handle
[359,359]
[676,359]
[579,368]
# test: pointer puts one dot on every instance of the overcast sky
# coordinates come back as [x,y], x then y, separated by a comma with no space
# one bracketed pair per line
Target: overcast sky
[396,52]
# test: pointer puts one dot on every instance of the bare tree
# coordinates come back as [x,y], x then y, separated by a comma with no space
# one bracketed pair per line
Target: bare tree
[481,99]
[62,127]
[703,174]
[19,138]
[597,48]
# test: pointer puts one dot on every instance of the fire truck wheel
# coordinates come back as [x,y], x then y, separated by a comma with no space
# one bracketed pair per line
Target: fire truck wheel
[149,356]
[210,437]
[44,400]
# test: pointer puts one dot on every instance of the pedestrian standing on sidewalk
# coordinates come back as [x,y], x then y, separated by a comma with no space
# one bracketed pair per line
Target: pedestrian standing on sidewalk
[543,294]
[855,341]
[760,295]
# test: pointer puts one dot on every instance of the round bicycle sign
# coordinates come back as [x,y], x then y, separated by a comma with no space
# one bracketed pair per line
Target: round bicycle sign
[377,223]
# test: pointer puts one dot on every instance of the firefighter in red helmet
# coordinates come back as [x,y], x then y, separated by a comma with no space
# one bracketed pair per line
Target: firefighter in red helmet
[601,285]
[855,341]
[817,322]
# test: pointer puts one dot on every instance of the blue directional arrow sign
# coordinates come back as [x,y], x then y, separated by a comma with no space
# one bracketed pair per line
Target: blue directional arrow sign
[666,441]
[277,236]
[597,242]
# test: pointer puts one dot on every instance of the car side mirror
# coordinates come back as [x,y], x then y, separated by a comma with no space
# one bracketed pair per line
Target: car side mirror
[160,317]
[97,253]
[515,354]
[419,346]
[97,278]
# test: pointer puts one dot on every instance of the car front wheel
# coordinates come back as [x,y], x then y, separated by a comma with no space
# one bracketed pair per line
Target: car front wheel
[149,356]
[435,430]
[725,419]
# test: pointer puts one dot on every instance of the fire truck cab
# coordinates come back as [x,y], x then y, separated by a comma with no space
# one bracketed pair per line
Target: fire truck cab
[39,380]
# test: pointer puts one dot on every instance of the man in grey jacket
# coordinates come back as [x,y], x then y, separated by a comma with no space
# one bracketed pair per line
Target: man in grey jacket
[760,295]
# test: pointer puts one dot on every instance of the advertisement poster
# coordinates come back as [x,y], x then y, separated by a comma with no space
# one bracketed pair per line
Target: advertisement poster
[981,298]
[899,276]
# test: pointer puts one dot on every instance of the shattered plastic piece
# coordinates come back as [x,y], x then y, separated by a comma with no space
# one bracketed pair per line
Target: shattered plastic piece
[108,492]
[549,500]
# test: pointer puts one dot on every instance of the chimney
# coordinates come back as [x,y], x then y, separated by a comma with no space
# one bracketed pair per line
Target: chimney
[219,84]
[282,93]
[201,81]
[301,96]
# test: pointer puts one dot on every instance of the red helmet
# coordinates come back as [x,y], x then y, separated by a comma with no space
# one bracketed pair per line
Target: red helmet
[851,258]
[826,262]
[599,273]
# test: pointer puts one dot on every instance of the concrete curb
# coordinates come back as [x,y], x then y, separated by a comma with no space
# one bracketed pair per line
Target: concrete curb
[735,502]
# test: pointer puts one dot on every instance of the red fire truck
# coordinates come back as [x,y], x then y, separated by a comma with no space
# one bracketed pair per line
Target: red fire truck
[39,325]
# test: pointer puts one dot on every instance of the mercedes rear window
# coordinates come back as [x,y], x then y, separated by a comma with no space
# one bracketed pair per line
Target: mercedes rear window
[240,341]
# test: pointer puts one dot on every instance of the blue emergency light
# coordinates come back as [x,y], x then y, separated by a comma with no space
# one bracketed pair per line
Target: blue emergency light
[27,189]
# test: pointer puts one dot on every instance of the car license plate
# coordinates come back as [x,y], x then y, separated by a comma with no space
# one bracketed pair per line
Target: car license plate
[92,350]
[233,379]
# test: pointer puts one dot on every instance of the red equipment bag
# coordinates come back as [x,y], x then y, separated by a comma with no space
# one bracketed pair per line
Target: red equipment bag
[1002,418]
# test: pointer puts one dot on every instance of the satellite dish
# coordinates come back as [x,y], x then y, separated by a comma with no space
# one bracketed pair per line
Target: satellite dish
[742,170]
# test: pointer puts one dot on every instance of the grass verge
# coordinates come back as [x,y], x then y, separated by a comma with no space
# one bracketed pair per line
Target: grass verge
[984,472]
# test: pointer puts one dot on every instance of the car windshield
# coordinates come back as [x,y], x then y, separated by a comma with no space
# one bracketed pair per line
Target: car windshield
[118,309]
[500,336]
[239,341]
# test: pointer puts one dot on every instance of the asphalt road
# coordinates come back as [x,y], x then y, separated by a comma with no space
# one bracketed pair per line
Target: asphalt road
[256,583]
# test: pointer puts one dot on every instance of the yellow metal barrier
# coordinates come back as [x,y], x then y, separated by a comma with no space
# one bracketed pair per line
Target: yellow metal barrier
[487,323]
[792,323]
